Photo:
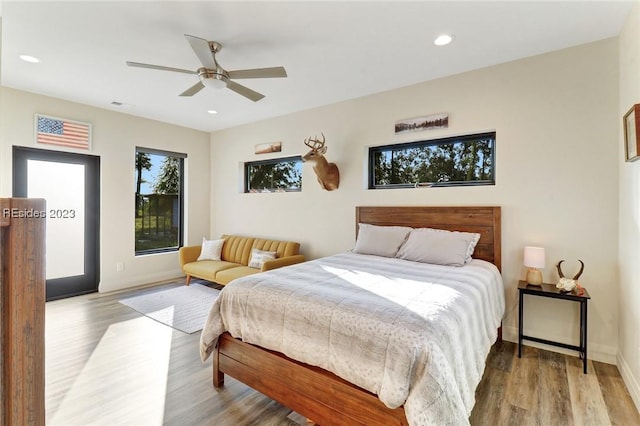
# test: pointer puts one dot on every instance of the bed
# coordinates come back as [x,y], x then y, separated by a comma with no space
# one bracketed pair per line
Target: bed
[429,380]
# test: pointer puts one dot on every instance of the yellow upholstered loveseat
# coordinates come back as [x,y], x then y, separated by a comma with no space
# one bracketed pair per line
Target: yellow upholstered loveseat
[234,258]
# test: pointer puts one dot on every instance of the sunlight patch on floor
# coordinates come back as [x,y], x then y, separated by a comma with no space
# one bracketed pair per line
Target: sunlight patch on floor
[125,379]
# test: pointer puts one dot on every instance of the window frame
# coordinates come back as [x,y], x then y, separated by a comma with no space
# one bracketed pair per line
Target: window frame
[427,143]
[269,161]
[181,161]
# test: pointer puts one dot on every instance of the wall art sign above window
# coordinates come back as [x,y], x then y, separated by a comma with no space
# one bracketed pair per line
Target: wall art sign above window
[266,148]
[62,132]
[418,124]
[631,125]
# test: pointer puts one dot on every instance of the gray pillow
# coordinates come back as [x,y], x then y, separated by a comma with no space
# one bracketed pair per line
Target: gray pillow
[439,247]
[380,240]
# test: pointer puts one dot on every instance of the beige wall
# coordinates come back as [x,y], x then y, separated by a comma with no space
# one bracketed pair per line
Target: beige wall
[115,137]
[556,117]
[629,214]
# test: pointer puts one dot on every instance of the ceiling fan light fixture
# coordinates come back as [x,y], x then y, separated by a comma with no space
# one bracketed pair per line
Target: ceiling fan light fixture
[443,40]
[216,81]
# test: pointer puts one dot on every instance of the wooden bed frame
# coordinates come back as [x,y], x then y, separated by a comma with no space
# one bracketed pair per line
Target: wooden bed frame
[316,393]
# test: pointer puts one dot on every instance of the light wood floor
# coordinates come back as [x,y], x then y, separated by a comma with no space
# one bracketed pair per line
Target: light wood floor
[106,364]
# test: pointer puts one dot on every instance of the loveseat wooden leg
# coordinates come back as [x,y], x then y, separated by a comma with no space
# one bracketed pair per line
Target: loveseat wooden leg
[188,279]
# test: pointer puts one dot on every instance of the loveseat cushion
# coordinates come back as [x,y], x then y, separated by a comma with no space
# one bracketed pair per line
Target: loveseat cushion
[226,276]
[207,269]
[237,249]
[282,248]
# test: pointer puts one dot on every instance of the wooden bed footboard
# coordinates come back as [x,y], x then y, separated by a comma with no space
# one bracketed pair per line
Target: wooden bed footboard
[311,391]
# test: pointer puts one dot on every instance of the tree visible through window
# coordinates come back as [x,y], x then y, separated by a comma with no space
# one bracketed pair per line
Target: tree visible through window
[464,160]
[159,201]
[275,175]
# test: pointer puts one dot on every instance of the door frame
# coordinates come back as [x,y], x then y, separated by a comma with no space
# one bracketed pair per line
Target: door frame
[59,288]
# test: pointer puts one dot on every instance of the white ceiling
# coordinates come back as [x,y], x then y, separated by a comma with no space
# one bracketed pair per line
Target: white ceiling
[332,51]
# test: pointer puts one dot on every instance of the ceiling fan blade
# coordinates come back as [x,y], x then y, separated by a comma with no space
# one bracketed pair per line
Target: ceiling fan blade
[201,47]
[244,91]
[275,72]
[193,89]
[159,67]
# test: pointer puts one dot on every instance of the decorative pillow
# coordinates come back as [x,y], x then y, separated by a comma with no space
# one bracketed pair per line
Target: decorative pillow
[211,249]
[438,246]
[258,257]
[380,240]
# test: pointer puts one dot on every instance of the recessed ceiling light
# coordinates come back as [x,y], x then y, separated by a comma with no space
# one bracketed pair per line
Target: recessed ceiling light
[28,58]
[212,111]
[443,39]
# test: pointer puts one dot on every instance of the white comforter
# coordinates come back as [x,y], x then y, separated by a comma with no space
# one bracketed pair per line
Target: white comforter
[414,334]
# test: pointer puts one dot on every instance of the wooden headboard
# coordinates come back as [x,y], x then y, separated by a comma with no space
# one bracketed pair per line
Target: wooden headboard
[483,220]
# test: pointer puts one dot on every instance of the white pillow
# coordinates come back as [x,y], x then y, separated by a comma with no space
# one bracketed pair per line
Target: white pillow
[258,257]
[438,246]
[211,249]
[380,240]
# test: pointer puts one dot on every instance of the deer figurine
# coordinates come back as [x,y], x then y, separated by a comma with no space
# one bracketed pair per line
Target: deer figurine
[327,173]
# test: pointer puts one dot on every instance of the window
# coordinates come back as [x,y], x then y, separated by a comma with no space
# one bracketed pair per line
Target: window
[275,175]
[159,201]
[455,161]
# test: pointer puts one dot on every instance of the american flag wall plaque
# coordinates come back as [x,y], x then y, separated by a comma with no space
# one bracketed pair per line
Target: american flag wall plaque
[63,132]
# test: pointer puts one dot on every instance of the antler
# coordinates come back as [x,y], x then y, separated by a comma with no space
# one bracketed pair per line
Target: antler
[315,144]
[580,271]
[560,269]
[576,276]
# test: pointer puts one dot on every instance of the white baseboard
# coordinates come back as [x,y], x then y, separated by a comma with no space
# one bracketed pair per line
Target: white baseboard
[136,281]
[595,351]
[629,380]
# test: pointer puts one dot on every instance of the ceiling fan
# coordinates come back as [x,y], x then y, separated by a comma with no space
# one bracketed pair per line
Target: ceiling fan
[213,75]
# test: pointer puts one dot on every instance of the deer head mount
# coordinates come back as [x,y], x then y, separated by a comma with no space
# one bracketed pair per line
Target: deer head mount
[568,284]
[327,173]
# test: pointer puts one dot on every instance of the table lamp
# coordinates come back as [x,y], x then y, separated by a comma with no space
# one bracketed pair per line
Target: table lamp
[534,259]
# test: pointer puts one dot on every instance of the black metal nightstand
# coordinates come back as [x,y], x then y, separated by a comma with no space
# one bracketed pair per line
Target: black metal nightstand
[550,290]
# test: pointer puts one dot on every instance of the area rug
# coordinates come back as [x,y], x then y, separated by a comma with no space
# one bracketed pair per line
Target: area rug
[184,308]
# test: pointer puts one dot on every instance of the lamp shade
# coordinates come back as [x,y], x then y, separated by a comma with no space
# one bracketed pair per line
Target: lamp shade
[534,257]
